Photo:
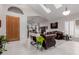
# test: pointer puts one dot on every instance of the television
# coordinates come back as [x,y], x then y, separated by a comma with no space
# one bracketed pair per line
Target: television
[54,25]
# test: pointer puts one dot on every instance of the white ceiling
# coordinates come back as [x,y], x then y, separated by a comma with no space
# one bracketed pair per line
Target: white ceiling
[56,13]
[37,10]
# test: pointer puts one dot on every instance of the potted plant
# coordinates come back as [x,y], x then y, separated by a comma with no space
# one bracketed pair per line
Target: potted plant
[3,41]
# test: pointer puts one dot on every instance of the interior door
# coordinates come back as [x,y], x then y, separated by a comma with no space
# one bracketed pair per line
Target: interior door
[12,28]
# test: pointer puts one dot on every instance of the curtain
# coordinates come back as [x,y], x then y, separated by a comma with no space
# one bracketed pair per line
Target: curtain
[70,28]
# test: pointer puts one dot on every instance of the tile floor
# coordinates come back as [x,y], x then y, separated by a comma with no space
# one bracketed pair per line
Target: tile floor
[62,48]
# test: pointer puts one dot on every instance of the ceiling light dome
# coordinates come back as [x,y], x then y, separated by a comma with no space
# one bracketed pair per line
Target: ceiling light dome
[66,12]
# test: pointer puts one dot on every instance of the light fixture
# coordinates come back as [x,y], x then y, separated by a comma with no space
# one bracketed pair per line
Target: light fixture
[66,12]
[45,8]
[58,6]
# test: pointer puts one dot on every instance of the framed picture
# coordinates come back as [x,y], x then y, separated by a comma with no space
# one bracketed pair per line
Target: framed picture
[54,25]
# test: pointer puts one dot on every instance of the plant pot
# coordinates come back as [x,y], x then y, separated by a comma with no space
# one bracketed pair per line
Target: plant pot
[1,53]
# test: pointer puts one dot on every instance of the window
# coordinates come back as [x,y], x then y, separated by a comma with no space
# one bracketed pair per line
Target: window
[70,28]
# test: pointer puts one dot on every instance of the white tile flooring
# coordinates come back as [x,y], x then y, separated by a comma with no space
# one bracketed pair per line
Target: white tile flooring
[62,48]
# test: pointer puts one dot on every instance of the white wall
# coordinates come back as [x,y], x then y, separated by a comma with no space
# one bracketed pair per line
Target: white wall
[36,20]
[45,22]
[23,20]
[60,25]
[23,26]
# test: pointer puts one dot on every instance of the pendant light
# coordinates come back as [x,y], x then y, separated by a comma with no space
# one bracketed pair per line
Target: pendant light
[66,12]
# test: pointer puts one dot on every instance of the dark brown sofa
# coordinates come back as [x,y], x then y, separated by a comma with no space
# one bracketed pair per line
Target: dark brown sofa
[49,41]
[58,34]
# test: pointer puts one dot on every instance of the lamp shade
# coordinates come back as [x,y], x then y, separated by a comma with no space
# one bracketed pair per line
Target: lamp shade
[66,12]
